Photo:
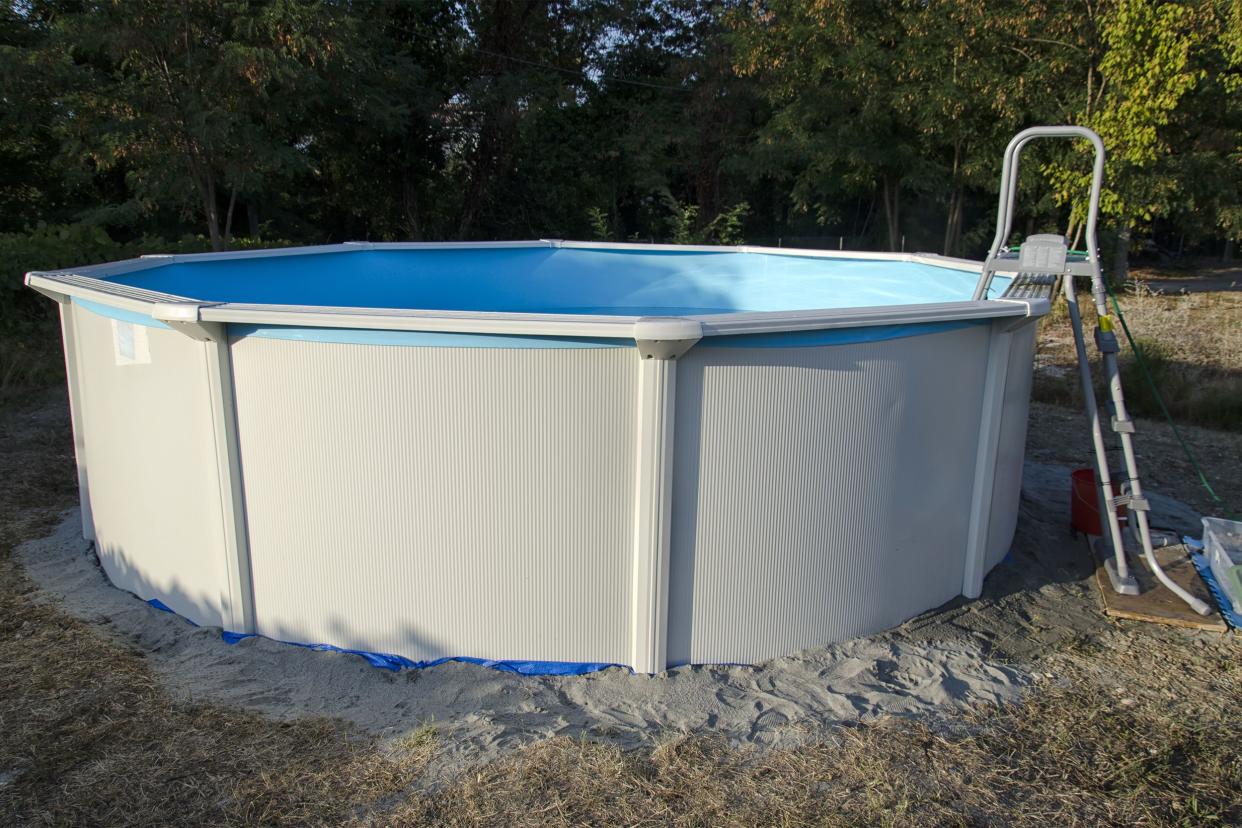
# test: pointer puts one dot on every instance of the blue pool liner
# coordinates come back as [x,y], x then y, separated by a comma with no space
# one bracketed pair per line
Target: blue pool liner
[388,661]
[119,314]
[541,280]
[426,339]
[1223,604]
[564,280]
[837,336]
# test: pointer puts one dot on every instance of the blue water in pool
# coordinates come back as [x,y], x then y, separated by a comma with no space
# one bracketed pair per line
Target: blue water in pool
[560,280]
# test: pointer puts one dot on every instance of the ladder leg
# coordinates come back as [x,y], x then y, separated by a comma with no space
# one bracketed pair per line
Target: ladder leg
[1136,488]
[1119,572]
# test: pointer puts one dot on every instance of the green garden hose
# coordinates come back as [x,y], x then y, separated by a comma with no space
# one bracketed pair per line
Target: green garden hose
[1141,361]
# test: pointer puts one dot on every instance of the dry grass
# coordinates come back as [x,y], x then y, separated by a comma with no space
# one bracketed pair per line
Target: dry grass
[91,739]
[1077,752]
[1193,346]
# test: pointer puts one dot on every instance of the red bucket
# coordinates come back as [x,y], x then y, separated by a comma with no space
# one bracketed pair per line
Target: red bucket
[1085,503]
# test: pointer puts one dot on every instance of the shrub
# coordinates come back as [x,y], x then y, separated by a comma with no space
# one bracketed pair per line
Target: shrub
[30,354]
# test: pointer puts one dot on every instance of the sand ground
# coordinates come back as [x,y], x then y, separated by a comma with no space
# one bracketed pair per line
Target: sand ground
[958,656]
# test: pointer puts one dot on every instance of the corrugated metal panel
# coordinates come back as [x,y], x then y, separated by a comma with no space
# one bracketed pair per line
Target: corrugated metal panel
[819,493]
[154,492]
[1007,487]
[434,502]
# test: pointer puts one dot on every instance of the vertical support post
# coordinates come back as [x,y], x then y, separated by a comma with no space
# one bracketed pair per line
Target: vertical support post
[219,367]
[73,378]
[660,343]
[995,374]
[653,514]
[228,469]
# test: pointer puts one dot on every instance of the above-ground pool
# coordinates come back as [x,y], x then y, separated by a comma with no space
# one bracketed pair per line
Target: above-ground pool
[548,452]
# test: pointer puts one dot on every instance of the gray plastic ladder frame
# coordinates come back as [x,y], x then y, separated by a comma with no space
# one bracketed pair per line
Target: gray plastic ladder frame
[1117,568]
[1009,192]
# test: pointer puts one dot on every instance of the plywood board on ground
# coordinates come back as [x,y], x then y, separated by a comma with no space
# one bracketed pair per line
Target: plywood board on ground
[1154,602]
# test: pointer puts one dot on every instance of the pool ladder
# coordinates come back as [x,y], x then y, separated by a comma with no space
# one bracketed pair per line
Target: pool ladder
[1038,265]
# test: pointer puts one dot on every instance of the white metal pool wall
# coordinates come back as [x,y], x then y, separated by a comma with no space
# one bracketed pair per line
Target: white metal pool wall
[666,500]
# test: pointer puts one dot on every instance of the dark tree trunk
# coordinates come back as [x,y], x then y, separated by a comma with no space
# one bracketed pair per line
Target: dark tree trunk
[212,210]
[228,219]
[953,223]
[1121,254]
[493,138]
[498,122]
[206,186]
[866,225]
[252,218]
[891,190]
[409,201]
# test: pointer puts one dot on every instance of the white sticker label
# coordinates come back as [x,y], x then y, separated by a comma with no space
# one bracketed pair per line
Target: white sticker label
[129,343]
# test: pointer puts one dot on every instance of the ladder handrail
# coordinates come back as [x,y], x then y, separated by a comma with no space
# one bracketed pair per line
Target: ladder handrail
[1009,192]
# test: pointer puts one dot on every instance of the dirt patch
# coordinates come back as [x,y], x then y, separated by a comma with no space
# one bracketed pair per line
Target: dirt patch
[1199,279]
[1059,435]
[1115,735]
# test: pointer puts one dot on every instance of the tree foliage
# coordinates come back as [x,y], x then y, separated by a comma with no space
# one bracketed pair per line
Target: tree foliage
[801,121]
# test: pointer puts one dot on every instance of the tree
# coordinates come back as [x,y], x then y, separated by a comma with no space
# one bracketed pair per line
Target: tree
[831,71]
[894,98]
[32,186]
[528,58]
[970,82]
[1143,73]
[378,135]
[197,102]
[332,119]
[1206,130]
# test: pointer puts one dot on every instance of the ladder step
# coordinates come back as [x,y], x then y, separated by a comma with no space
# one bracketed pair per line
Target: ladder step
[1036,279]
[1134,504]
[1032,286]
[1007,263]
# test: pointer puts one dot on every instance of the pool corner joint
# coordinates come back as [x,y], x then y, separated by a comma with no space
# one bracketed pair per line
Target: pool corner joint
[665,337]
[184,317]
[59,297]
